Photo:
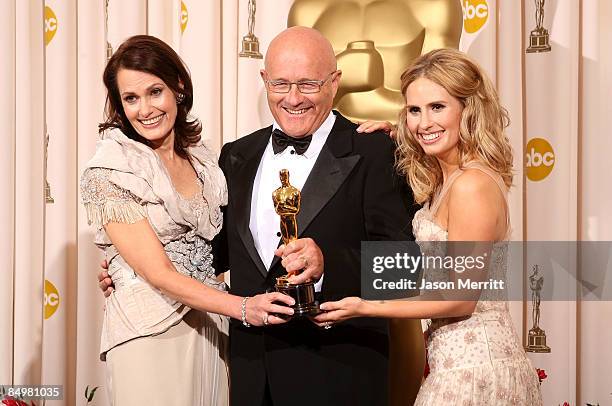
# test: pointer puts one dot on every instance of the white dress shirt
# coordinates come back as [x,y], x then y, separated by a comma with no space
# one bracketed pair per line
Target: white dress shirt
[264,222]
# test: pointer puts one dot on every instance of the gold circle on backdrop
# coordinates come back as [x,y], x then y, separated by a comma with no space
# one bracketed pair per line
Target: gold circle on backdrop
[475,14]
[52,299]
[184,17]
[539,159]
[50,24]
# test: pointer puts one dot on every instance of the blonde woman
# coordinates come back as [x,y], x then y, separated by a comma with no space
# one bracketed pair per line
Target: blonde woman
[453,152]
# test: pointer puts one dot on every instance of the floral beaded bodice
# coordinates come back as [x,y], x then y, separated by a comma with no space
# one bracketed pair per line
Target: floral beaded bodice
[195,205]
[191,253]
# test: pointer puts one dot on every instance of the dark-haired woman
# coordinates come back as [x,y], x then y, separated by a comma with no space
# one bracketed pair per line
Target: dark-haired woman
[154,193]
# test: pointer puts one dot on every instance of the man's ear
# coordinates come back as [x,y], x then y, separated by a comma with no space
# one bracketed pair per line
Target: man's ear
[263,75]
[336,81]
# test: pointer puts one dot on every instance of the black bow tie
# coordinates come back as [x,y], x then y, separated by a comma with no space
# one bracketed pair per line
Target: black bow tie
[280,141]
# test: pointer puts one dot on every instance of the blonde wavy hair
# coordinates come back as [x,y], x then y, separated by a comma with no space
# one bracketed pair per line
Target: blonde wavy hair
[481,131]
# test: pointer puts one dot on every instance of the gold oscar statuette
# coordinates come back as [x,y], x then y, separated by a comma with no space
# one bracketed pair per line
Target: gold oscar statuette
[109,47]
[48,197]
[536,340]
[287,205]
[250,43]
[539,38]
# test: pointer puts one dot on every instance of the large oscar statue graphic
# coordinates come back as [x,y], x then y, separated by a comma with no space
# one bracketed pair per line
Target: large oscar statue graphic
[287,205]
[374,42]
[536,340]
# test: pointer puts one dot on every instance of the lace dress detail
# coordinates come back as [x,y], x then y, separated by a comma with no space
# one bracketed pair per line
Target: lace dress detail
[474,360]
[106,202]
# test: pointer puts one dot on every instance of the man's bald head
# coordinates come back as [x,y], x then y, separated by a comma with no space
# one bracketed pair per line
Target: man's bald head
[301,55]
[307,41]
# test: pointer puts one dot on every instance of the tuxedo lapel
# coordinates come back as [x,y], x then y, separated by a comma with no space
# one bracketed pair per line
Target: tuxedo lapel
[326,177]
[333,166]
[245,164]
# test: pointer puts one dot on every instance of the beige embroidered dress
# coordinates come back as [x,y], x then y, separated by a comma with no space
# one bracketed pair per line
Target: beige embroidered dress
[157,350]
[477,360]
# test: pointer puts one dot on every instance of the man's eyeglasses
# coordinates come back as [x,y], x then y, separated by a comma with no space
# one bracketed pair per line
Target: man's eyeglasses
[304,86]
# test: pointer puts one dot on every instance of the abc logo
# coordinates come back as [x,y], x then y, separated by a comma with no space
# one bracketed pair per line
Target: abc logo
[52,299]
[539,159]
[184,17]
[50,25]
[475,14]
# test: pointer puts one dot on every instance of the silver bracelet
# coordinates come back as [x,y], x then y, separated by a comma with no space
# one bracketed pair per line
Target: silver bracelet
[243,314]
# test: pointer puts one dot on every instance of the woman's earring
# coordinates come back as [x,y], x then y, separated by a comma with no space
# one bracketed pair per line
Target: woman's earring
[179,98]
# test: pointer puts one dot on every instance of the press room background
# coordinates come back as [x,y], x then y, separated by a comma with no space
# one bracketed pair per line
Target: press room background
[54,51]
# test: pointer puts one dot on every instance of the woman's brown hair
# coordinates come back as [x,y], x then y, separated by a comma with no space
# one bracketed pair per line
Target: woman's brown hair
[148,54]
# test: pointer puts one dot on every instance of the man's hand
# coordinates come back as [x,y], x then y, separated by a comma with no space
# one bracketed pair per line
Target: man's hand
[104,281]
[303,255]
[370,126]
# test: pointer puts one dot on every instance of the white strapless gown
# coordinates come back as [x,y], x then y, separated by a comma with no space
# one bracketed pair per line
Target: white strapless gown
[475,360]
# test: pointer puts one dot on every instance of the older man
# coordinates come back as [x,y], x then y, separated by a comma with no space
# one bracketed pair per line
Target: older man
[349,194]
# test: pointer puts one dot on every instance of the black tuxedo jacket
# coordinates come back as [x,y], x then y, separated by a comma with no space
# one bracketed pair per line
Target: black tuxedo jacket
[351,195]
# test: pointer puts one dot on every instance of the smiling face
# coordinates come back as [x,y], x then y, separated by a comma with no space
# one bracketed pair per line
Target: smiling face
[300,54]
[433,118]
[149,105]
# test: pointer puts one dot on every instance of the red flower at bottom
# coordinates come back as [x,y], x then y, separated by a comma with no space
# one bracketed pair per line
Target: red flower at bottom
[10,401]
[542,375]
[426,370]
